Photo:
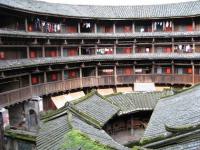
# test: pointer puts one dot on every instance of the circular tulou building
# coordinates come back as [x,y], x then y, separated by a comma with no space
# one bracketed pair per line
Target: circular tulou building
[53,53]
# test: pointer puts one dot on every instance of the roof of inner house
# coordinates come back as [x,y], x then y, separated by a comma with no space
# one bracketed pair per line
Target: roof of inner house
[175,122]
[108,12]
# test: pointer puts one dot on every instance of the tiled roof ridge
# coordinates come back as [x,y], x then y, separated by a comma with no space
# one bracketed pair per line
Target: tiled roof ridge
[84,116]
[184,91]
[167,139]
[182,128]
[94,11]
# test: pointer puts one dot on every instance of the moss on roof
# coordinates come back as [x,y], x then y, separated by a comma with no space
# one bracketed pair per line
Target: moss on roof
[75,139]
[20,135]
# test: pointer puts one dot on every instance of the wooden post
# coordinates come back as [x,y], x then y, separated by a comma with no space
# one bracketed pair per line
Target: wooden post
[96,49]
[132,130]
[96,71]
[153,46]
[172,25]
[172,45]
[28,52]
[61,50]
[95,28]
[79,27]
[193,24]
[115,74]
[133,48]
[63,75]
[26,24]
[43,51]
[193,45]
[81,77]
[152,26]
[79,50]
[133,27]
[115,48]
[173,72]
[114,28]
[193,73]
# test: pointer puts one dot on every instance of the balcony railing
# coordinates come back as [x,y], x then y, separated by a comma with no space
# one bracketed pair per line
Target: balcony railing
[18,95]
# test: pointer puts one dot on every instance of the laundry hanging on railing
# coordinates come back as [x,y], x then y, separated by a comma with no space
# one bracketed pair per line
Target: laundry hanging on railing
[45,26]
[162,25]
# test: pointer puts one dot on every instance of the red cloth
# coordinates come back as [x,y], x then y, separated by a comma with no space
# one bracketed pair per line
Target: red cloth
[72,74]
[127,29]
[128,71]
[53,76]
[189,70]
[189,28]
[53,53]
[168,70]
[127,50]
[2,55]
[32,54]
[34,80]
[72,29]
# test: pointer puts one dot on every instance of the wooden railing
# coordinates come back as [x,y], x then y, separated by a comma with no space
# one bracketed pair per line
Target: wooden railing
[21,94]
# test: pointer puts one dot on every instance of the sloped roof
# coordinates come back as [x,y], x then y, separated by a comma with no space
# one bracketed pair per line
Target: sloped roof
[95,106]
[96,134]
[51,134]
[24,63]
[54,127]
[116,12]
[178,112]
[133,102]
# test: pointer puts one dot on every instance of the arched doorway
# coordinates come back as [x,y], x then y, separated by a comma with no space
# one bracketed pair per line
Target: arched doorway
[33,119]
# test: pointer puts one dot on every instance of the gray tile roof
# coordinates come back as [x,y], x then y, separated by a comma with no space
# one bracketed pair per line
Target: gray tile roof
[118,12]
[96,134]
[97,108]
[191,142]
[24,63]
[179,110]
[22,34]
[133,102]
[51,134]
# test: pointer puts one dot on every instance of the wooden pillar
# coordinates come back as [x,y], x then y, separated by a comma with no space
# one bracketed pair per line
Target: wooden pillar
[30,81]
[1,132]
[172,45]
[96,71]
[26,24]
[45,77]
[172,25]
[133,27]
[115,48]
[193,24]
[152,26]
[133,47]
[43,51]
[79,27]
[79,50]
[115,74]
[81,77]
[95,28]
[62,75]
[132,130]
[153,46]
[153,68]
[193,73]
[114,28]
[193,45]
[28,52]
[173,72]
[61,50]
[96,49]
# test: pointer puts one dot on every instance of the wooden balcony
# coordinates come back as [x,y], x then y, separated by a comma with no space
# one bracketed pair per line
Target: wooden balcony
[22,94]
